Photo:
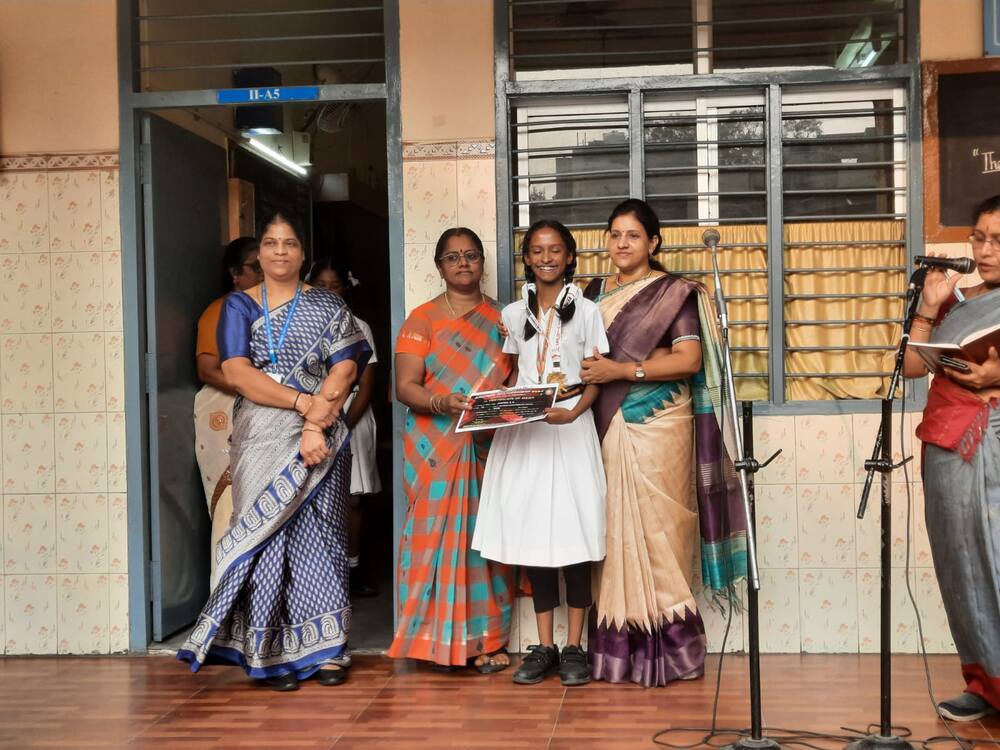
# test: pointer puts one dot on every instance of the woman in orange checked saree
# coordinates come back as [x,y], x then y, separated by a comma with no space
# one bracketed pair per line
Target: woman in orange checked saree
[454,606]
[667,469]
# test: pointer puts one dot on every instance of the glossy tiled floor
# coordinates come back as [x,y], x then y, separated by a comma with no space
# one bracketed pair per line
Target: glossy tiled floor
[153,702]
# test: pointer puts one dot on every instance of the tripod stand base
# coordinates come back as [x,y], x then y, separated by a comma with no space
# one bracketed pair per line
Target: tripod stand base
[880,742]
[748,743]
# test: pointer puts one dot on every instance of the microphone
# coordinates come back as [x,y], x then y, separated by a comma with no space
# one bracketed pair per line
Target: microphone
[711,238]
[958,265]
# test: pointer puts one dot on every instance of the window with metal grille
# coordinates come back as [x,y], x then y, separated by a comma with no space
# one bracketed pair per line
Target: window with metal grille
[825,165]
[701,36]
[197,44]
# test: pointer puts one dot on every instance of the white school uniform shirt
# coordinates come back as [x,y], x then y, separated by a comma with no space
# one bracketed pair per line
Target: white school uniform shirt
[578,339]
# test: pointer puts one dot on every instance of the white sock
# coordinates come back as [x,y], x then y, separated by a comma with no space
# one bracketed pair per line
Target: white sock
[354,561]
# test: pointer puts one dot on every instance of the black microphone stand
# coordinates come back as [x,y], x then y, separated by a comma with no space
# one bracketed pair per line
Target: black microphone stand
[881,461]
[746,466]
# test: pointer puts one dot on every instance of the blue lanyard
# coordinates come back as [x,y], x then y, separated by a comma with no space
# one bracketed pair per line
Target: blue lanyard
[272,352]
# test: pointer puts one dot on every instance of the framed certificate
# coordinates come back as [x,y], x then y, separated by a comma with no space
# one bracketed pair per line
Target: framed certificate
[506,408]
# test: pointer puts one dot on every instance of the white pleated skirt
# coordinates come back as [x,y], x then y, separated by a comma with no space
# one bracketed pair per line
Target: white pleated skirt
[543,495]
[364,469]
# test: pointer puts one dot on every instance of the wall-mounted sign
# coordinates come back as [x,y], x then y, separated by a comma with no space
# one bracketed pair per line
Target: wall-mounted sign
[268,95]
[991,27]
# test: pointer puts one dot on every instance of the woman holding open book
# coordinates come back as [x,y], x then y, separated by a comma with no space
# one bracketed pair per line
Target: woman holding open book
[961,435]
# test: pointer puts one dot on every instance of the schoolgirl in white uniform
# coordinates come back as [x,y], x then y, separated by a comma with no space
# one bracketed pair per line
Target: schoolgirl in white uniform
[542,501]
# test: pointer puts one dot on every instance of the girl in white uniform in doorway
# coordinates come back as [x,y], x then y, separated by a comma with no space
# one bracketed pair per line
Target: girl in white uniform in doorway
[542,502]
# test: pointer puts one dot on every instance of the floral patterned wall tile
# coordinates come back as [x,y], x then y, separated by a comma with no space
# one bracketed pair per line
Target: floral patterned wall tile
[84,619]
[3,618]
[866,428]
[110,219]
[477,197]
[423,282]
[26,373]
[869,529]
[937,634]
[117,479]
[777,526]
[24,212]
[716,613]
[113,291]
[80,379]
[114,368]
[489,282]
[430,200]
[828,611]
[82,533]
[78,292]
[824,451]
[826,525]
[118,613]
[25,293]
[779,611]
[771,434]
[81,452]
[920,542]
[30,609]
[74,211]
[30,534]
[117,533]
[28,453]
[904,624]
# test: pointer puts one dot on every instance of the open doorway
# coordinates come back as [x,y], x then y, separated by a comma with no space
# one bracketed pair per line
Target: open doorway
[203,186]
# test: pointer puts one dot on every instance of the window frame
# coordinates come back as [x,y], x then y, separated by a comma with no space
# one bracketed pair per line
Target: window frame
[905,76]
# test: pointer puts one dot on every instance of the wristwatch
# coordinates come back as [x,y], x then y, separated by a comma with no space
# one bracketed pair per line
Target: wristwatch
[640,374]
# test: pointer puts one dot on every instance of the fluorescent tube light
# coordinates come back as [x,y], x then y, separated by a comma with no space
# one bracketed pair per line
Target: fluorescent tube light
[277,158]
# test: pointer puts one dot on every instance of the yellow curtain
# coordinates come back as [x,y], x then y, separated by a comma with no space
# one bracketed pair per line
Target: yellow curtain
[836,247]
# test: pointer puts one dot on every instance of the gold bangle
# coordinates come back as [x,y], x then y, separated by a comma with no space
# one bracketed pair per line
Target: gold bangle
[927,319]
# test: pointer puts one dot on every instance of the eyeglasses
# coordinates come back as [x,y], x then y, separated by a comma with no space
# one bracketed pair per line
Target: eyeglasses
[470,256]
[978,242]
[255,266]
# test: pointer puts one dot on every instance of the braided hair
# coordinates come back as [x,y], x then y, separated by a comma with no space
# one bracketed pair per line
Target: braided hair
[568,307]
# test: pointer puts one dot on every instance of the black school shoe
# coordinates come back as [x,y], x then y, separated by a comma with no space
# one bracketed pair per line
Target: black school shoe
[573,667]
[540,662]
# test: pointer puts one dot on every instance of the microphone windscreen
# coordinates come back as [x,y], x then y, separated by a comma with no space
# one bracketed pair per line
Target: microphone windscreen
[964,265]
[711,237]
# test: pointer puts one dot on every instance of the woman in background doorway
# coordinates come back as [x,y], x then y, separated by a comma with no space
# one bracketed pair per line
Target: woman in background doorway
[280,608]
[213,404]
[360,421]
[454,606]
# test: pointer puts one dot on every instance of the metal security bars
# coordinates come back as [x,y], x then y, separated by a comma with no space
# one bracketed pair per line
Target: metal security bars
[196,44]
[701,36]
[808,185]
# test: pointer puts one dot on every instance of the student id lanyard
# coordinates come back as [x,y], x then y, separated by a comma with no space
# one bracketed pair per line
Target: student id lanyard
[272,351]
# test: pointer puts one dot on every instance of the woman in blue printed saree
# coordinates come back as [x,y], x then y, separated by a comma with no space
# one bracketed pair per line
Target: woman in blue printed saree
[279,606]
[657,417]
[961,468]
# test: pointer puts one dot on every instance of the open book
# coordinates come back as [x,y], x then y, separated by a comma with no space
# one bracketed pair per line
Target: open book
[974,347]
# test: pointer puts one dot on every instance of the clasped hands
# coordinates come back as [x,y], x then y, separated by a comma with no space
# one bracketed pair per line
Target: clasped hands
[979,376]
[320,413]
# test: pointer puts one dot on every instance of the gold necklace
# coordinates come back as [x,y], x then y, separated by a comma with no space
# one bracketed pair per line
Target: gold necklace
[618,278]
[452,309]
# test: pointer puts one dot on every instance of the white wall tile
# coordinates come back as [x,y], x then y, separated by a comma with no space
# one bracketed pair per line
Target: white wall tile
[869,529]
[118,613]
[477,197]
[779,611]
[74,211]
[114,368]
[117,533]
[904,624]
[937,634]
[82,533]
[26,373]
[826,526]
[24,212]
[828,611]
[777,526]
[117,479]
[771,434]
[30,609]
[28,453]
[430,200]
[84,618]
[823,449]
[29,534]
[77,292]
[110,220]
[112,270]
[81,452]
[80,379]
[25,293]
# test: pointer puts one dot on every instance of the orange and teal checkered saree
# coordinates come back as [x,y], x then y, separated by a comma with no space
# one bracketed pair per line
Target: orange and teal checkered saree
[453,604]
